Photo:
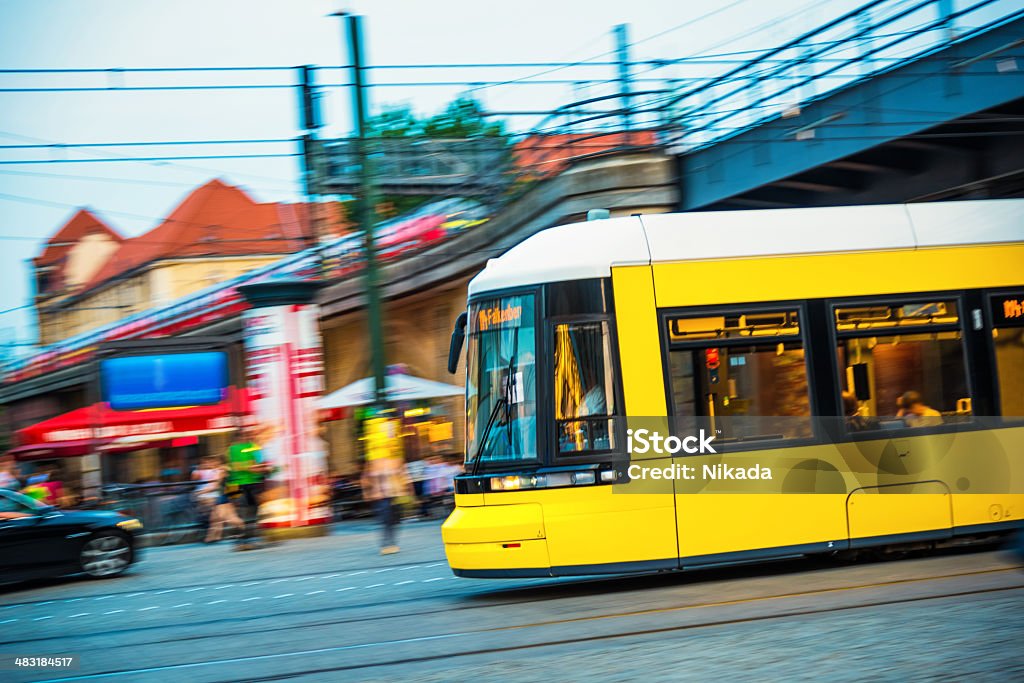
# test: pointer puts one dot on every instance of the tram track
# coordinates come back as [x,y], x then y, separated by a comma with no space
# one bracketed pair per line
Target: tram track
[542,593]
[552,642]
[523,627]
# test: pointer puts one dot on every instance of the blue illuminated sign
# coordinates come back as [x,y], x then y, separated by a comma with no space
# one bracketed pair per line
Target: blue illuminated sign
[165,380]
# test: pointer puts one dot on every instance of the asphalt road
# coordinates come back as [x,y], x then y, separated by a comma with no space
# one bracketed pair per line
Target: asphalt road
[332,609]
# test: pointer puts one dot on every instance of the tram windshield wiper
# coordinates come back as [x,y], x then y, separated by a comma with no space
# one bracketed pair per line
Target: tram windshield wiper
[498,405]
[504,402]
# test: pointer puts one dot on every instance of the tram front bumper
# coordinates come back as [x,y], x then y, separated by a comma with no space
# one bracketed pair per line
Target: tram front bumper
[497,541]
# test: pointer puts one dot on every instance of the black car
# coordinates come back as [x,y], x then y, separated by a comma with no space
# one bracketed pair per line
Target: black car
[38,540]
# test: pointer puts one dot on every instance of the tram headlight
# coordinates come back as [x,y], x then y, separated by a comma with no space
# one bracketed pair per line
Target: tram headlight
[583,478]
[512,483]
[515,482]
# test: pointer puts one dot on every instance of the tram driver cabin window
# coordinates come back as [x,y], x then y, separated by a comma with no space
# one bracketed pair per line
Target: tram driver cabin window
[584,393]
[1008,340]
[902,365]
[742,374]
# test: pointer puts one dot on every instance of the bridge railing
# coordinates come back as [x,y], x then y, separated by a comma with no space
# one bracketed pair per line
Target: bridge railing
[686,114]
[877,36]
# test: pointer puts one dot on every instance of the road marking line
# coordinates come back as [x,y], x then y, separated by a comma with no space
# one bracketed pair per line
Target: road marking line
[184,604]
[48,602]
[224,586]
[114,611]
[330,576]
[255,597]
[355,573]
[197,588]
[8,621]
[103,597]
[402,583]
[74,599]
[278,580]
[436,578]
[387,569]
[414,566]
[144,609]
[346,588]
[169,590]
[314,592]
[80,614]
[376,585]
[135,594]
[251,583]
[214,602]
[304,578]
[436,564]
[284,595]
[41,618]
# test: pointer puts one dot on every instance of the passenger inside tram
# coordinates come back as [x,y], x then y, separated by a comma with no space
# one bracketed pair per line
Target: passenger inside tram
[916,413]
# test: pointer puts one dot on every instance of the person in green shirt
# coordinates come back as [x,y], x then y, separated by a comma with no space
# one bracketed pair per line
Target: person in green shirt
[244,483]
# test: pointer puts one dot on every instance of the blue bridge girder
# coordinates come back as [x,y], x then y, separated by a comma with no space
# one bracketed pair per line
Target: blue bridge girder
[949,124]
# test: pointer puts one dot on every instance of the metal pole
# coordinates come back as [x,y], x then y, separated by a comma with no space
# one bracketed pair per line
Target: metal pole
[625,78]
[946,11]
[309,123]
[367,203]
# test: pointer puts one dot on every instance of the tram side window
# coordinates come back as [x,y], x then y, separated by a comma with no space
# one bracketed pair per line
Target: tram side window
[902,366]
[1008,339]
[744,376]
[584,389]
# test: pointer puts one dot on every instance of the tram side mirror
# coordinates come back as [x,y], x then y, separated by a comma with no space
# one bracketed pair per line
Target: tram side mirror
[458,337]
[861,385]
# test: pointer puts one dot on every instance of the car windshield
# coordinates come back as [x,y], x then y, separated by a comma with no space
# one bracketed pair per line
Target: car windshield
[501,391]
[12,501]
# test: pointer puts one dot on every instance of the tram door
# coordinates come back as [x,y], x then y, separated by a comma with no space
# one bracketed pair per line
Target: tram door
[908,501]
[741,374]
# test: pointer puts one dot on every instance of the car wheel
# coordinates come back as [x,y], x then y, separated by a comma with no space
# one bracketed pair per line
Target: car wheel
[106,554]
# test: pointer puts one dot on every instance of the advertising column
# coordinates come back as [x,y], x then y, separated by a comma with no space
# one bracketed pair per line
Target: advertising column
[284,370]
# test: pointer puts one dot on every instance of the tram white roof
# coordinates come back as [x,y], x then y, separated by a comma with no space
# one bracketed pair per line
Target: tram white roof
[589,250]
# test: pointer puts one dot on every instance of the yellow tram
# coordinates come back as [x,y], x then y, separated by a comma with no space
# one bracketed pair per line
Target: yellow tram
[870,358]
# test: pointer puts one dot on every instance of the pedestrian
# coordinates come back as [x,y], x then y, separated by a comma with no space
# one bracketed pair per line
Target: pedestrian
[245,482]
[385,480]
[222,510]
[8,473]
[46,486]
[417,470]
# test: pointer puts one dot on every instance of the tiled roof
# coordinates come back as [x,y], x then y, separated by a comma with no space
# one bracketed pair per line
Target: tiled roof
[216,219]
[81,224]
[545,155]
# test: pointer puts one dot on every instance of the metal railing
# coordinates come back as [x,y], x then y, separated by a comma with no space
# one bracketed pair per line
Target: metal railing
[693,113]
[169,512]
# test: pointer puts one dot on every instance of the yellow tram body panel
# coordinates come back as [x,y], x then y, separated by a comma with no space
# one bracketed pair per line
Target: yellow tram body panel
[592,529]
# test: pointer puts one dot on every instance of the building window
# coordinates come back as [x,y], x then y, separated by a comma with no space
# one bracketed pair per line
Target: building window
[584,388]
[1008,340]
[902,365]
[743,375]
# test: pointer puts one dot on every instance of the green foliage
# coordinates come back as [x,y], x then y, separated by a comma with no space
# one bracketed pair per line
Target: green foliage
[462,118]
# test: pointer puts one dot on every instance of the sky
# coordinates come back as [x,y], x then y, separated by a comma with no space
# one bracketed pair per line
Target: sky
[35,199]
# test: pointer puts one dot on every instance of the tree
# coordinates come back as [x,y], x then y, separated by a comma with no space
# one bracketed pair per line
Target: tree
[462,118]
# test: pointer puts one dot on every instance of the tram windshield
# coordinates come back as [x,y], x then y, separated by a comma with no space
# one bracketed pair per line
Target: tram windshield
[501,387]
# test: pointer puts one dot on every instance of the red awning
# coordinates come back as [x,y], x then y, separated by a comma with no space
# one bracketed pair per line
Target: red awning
[98,427]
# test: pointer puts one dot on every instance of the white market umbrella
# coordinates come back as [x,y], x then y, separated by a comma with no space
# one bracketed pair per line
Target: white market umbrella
[397,387]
